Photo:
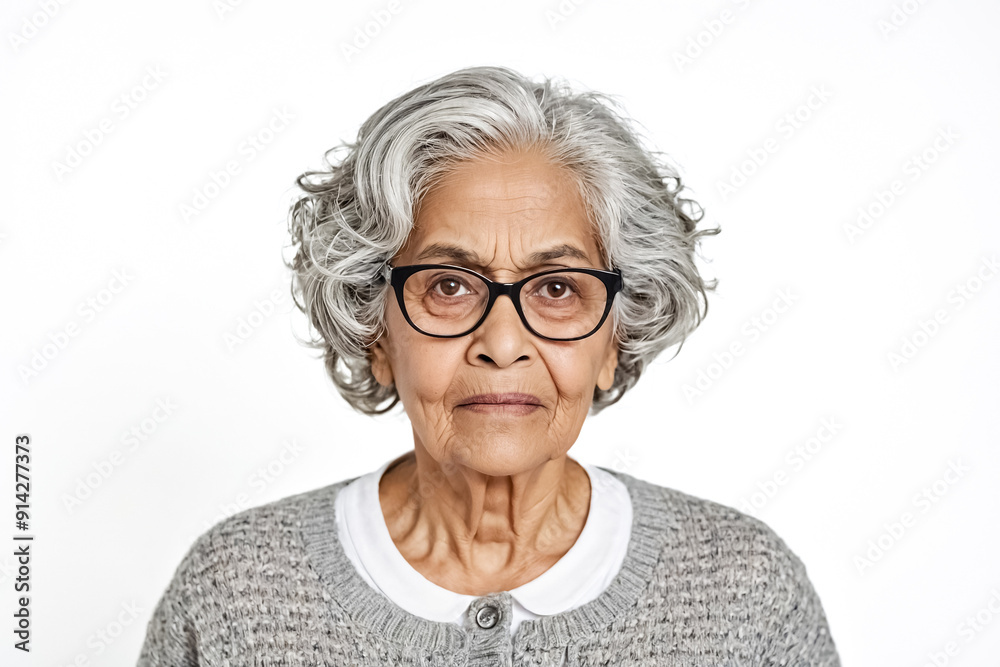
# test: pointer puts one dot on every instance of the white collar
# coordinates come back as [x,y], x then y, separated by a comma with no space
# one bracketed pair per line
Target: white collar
[577,577]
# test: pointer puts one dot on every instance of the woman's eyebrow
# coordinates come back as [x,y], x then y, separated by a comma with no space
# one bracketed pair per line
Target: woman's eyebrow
[453,252]
[558,252]
[461,255]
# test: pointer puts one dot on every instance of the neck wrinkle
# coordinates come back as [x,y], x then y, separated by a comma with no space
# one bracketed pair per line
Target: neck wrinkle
[456,539]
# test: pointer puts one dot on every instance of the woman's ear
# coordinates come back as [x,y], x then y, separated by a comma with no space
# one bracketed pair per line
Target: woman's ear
[381,365]
[606,377]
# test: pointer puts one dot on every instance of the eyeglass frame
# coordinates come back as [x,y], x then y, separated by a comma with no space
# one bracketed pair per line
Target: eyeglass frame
[397,276]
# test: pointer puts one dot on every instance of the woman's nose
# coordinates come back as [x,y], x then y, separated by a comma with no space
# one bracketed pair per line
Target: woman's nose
[502,337]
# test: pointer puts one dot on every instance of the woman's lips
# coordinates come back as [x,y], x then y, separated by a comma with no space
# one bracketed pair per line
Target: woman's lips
[503,399]
[509,404]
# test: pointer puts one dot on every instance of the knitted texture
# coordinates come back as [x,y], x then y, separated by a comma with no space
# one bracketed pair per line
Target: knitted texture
[701,584]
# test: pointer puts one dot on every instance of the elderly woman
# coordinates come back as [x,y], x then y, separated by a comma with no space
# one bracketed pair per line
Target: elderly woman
[502,257]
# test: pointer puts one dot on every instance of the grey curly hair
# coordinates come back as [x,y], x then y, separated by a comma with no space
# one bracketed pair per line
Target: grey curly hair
[354,215]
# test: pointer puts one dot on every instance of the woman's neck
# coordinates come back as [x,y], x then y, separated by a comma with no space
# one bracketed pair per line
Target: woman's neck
[476,534]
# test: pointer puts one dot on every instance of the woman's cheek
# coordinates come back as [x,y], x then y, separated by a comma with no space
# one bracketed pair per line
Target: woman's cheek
[572,376]
[430,376]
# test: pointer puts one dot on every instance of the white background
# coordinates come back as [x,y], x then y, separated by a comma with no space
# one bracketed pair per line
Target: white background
[889,91]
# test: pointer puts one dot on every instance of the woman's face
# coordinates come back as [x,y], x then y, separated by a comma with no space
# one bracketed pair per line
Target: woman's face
[499,210]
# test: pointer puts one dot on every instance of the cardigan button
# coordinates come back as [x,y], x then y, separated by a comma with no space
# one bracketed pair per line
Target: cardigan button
[487,617]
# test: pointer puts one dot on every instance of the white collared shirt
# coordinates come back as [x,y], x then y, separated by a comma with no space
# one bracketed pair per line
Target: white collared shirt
[583,573]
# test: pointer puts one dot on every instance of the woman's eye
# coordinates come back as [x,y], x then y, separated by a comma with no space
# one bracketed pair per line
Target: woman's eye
[449,286]
[556,289]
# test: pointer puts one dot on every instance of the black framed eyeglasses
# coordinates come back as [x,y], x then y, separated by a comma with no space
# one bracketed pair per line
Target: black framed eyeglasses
[446,301]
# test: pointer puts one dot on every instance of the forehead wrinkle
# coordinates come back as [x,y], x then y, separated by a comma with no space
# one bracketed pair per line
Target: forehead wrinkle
[508,187]
[459,252]
[460,255]
[465,211]
[526,209]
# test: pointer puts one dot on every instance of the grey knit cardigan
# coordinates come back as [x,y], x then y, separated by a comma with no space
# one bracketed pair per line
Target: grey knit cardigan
[701,584]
